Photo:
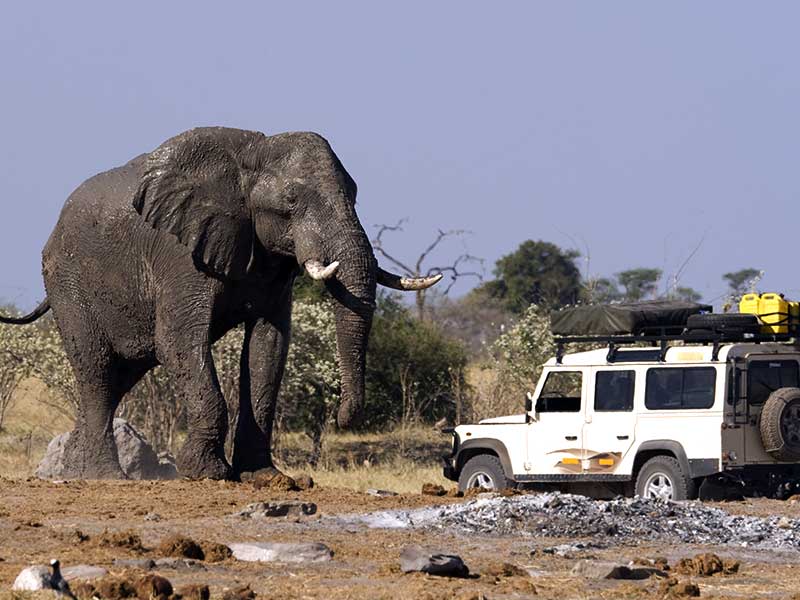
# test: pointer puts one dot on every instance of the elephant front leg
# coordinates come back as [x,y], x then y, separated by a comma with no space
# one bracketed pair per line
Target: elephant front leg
[202,455]
[263,362]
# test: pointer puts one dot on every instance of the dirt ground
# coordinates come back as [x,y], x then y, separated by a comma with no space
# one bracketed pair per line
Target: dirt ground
[75,522]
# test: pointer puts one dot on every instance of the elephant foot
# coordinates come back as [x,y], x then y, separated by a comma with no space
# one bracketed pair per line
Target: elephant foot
[200,461]
[84,458]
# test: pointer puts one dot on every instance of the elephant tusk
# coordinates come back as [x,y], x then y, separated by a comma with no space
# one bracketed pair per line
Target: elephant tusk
[407,284]
[320,272]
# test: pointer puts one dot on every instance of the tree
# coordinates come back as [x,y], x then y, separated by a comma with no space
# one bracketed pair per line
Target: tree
[685,293]
[639,283]
[537,272]
[601,290]
[742,281]
[455,268]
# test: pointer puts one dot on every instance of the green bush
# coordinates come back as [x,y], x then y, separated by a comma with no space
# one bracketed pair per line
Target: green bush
[414,372]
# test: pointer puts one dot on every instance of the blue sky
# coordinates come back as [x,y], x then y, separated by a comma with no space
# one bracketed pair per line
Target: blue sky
[628,130]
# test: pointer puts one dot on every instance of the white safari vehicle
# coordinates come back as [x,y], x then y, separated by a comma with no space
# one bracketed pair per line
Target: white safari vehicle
[655,415]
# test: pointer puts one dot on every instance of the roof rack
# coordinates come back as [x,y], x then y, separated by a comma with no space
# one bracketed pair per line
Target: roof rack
[661,338]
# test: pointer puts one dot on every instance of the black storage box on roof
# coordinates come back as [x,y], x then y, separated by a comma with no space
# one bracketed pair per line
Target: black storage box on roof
[633,318]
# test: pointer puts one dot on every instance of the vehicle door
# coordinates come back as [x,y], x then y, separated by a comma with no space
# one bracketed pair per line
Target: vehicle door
[610,426]
[555,437]
[765,374]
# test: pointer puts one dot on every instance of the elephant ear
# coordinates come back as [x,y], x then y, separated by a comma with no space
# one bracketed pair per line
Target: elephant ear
[192,188]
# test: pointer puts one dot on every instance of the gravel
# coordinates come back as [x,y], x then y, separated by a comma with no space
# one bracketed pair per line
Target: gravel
[555,515]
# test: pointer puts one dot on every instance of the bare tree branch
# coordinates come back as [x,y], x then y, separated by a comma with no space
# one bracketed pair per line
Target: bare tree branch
[417,271]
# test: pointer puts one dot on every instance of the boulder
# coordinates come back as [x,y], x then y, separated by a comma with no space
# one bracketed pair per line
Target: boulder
[83,572]
[263,510]
[32,579]
[381,493]
[281,552]
[136,456]
[416,559]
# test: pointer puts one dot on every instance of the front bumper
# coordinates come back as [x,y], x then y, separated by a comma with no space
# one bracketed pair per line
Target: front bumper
[450,462]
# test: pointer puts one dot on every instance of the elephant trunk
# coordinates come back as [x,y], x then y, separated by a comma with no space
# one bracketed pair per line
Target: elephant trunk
[353,288]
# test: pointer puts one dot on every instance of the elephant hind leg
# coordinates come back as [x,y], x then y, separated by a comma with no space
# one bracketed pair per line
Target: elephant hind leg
[91,451]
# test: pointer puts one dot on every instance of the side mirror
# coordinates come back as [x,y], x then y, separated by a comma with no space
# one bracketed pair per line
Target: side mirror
[530,414]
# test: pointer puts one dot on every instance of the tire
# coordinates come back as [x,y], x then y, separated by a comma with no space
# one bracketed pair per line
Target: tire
[483,471]
[780,424]
[664,472]
[736,322]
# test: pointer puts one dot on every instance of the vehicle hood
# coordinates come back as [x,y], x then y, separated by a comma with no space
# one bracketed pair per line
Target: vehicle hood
[515,419]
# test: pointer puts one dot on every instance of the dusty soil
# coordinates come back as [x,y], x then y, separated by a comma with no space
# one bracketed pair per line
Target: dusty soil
[96,522]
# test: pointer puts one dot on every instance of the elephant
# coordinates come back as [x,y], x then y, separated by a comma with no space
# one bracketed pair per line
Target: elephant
[150,263]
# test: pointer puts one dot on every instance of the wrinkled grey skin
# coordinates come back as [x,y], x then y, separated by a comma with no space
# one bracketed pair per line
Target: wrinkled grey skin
[152,262]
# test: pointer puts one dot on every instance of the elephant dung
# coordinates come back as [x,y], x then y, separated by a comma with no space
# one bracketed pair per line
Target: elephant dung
[262,510]
[281,552]
[136,456]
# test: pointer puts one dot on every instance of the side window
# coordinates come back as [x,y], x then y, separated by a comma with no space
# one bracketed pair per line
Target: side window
[561,392]
[613,390]
[766,376]
[680,388]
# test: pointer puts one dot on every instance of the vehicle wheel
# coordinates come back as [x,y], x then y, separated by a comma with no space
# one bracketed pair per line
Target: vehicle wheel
[735,322]
[780,424]
[662,477]
[482,471]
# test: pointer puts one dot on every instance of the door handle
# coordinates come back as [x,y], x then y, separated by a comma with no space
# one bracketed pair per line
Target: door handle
[571,438]
[622,437]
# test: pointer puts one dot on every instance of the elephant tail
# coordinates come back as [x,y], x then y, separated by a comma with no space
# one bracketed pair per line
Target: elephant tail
[40,311]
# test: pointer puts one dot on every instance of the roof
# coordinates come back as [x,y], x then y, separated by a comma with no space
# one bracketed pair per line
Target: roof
[695,354]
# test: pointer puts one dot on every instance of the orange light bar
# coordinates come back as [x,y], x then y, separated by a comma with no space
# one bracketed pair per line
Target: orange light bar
[606,462]
[570,461]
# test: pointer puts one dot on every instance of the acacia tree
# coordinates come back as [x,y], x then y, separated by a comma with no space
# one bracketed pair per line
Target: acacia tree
[537,272]
[455,269]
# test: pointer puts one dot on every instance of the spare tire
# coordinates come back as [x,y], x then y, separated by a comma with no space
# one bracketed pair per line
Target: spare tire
[780,424]
[725,322]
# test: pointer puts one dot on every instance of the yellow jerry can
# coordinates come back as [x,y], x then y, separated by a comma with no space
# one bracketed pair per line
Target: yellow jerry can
[774,312]
[749,304]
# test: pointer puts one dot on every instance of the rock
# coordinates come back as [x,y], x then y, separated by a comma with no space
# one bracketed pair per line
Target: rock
[179,564]
[214,552]
[136,456]
[432,489]
[194,592]
[83,572]
[304,482]
[151,516]
[281,552]
[263,510]
[145,564]
[180,546]
[32,579]
[598,569]
[153,587]
[381,493]
[416,559]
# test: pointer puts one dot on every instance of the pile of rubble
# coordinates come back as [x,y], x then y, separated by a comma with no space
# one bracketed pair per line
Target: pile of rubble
[557,515]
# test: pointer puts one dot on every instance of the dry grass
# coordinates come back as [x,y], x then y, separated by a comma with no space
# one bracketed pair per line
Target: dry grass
[400,460]
[30,424]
